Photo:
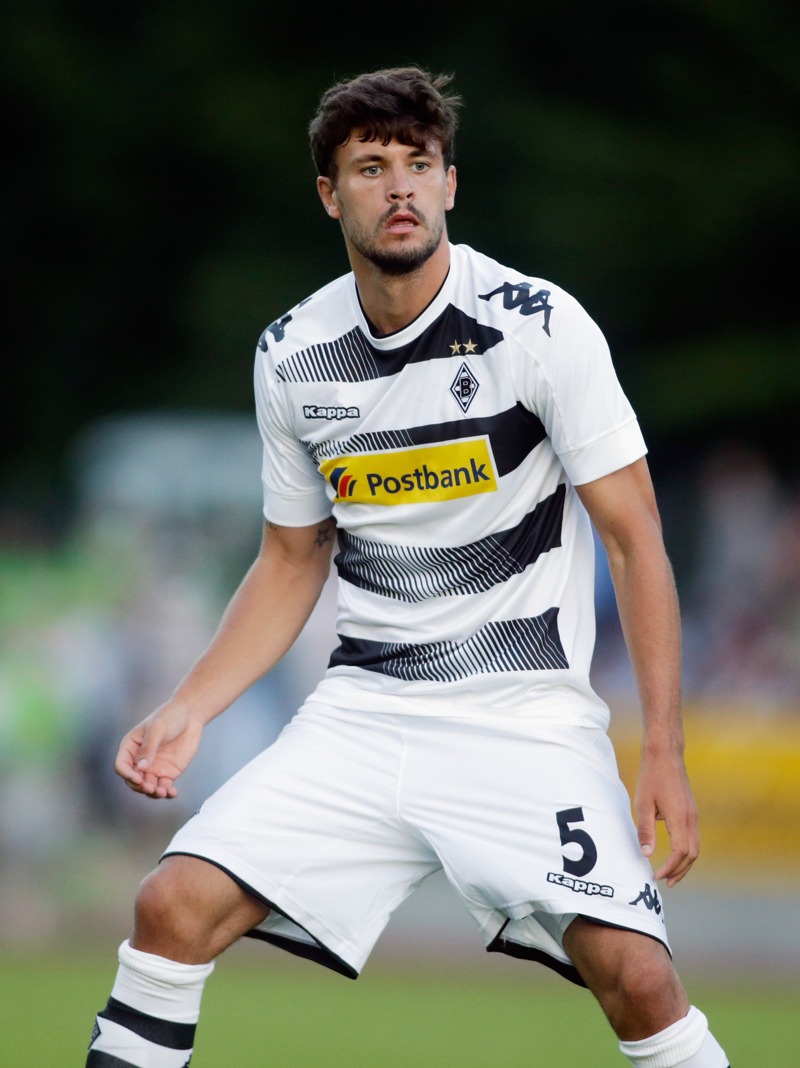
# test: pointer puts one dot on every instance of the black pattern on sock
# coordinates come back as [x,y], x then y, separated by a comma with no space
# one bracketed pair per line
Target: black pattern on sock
[96,1059]
[107,1060]
[160,1032]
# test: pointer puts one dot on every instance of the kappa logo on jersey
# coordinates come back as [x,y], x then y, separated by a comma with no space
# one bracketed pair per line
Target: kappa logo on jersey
[465,386]
[649,898]
[520,296]
[277,329]
[580,886]
[329,411]
[414,476]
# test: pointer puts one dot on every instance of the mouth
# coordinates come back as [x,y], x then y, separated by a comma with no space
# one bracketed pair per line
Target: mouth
[401,222]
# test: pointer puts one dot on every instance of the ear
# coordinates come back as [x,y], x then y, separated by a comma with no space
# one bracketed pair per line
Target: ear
[450,195]
[327,194]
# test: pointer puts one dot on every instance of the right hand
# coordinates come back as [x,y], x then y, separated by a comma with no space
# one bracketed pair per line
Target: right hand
[154,753]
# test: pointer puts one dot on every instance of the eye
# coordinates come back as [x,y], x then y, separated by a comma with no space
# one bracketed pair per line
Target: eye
[371,170]
[421,166]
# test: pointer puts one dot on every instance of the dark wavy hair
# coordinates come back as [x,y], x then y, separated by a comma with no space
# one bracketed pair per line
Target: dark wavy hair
[401,103]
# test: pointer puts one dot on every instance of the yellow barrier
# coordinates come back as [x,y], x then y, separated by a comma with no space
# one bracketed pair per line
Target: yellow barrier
[745,772]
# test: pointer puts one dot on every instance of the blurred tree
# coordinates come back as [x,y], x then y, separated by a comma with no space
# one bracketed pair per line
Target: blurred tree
[161,211]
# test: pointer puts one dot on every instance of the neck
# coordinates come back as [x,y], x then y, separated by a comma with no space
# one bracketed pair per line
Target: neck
[391,302]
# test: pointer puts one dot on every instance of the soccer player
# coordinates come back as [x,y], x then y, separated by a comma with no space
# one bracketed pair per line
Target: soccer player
[457,426]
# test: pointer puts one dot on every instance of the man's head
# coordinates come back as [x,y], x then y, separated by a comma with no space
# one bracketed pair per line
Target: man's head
[382,143]
[404,104]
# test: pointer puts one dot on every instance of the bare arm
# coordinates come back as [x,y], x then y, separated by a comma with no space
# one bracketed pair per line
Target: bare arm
[260,624]
[623,509]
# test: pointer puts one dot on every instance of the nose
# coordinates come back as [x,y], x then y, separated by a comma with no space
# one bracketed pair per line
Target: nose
[400,187]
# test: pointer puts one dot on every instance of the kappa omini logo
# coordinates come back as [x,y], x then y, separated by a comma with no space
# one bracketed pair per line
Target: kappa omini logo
[649,898]
[520,296]
[413,476]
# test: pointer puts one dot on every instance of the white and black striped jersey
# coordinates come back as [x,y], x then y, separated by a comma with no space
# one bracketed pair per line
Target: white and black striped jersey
[447,453]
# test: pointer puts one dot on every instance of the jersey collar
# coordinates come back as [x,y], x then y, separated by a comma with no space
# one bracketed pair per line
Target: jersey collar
[415,328]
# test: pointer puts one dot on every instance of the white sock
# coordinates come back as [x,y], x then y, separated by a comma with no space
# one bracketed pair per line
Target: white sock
[685,1044]
[150,1019]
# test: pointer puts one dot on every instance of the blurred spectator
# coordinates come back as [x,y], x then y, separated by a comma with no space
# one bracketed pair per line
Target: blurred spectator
[741,609]
[96,631]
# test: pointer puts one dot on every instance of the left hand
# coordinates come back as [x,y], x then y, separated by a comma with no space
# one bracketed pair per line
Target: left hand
[663,793]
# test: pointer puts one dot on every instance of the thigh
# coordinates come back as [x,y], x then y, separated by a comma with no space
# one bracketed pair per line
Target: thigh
[189,910]
[310,827]
[604,955]
[534,826]
[630,974]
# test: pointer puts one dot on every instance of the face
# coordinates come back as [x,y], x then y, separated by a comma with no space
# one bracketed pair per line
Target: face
[390,201]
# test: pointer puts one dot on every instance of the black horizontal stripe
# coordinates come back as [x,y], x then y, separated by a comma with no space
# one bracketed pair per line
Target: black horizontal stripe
[98,1059]
[531,644]
[349,358]
[352,358]
[513,434]
[414,573]
[160,1032]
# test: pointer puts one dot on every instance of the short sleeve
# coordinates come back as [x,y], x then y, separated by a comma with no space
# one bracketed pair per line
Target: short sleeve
[572,386]
[294,490]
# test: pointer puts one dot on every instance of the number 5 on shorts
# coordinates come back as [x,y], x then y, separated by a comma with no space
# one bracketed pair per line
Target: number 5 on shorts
[584,864]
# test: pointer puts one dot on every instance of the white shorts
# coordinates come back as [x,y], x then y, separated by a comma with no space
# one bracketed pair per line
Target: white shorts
[340,820]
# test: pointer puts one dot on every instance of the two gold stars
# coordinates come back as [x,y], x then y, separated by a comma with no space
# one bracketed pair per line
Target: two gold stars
[467,346]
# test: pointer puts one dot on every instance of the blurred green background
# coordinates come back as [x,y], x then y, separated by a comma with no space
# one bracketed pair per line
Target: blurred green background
[160,211]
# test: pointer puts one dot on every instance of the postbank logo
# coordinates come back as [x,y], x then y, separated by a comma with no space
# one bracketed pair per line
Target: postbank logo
[413,476]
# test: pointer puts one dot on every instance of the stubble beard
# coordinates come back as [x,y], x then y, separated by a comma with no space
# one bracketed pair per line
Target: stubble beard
[400,260]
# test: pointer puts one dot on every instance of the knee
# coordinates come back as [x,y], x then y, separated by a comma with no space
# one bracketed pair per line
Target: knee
[190,911]
[630,974]
[645,979]
[161,905]
[643,996]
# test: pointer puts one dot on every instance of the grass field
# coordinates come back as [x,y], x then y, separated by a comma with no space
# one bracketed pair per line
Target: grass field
[272,1011]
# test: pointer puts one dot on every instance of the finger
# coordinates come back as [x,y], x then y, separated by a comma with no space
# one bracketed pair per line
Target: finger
[144,786]
[125,763]
[162,787]
[148,784]
[646,830]
[152,737]
[675,868]
[684,851]
[156,787]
